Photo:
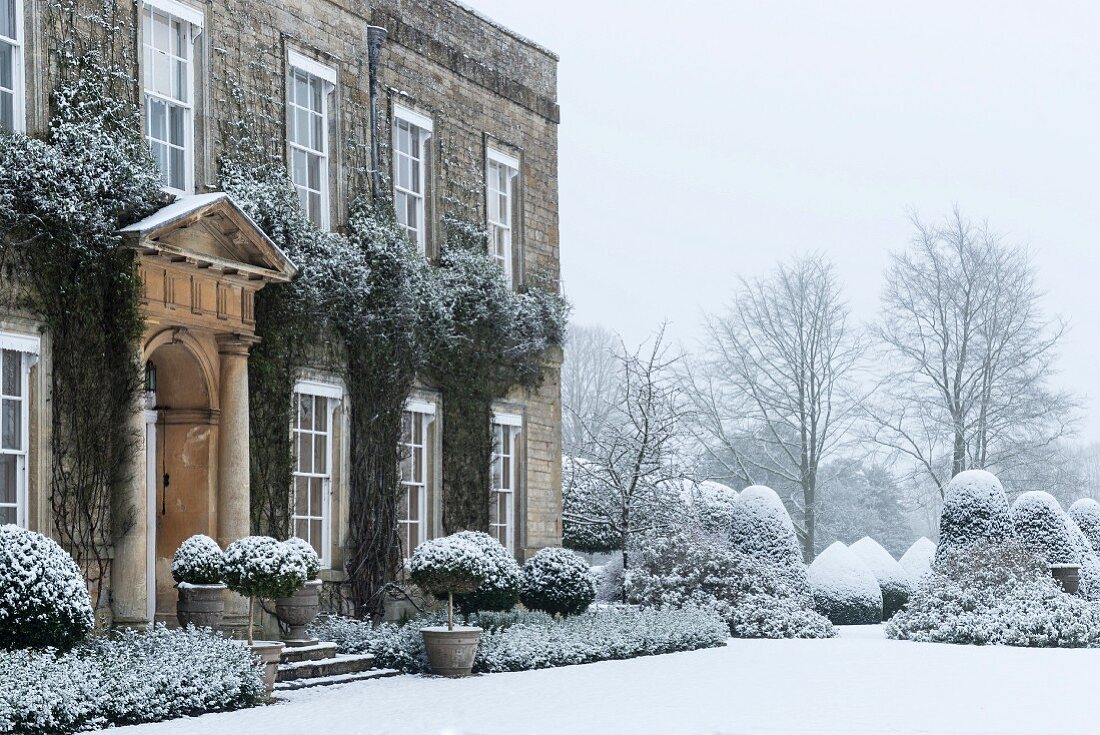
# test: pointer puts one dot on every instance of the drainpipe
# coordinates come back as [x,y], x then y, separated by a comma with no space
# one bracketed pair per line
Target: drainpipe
[375,36]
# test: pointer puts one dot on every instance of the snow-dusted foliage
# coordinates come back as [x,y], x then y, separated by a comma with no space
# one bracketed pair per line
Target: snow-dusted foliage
[309,557]
[127,679]
[1089,583]
[260,566]
[1038,521]
[995,594]
[610,579]
[581,495]
[451,564]
[557,581]
[692,569]
[43,600]
[500,588]
[975,510]
[519,641]
[845,590]
[893,580]
[762,529]
[1086,514]
[917,560]
[198,560]
[711,506]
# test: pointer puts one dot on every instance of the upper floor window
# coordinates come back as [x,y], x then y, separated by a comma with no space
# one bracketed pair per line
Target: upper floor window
[311,510]
[501,174]
[11,65]
[502,493]
[412,506]
[17,355]
[308,87]
[168,32]
[411,169]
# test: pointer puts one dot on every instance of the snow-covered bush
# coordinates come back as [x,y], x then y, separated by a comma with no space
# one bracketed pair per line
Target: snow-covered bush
[309,557]
[260,566]
[128,679]
[557,581]
[1086,514]
[917,561]
[451,565]
[43,600]
[500,588]
[995,594]
[845,590]
[198,560]
[583,497]
[609,580]
[975,510]
[893,580]
[763,529]
[710,505]
[1038,521]
[692,569]
[1089,583]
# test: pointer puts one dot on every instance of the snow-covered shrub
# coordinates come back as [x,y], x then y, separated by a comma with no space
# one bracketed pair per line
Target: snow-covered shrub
[710,505]
[43,600]
[893,580]
[260,566]
[995,594]
[582,497]
[128,679]
[917,561]
[449,565]
[1038,521]
[763,529]
[975,510]
[1089,584]
[845,590]
[198,560]
[500,588]
[692,569]
[609,580]
[1086,514]
[557,581]
[309,556]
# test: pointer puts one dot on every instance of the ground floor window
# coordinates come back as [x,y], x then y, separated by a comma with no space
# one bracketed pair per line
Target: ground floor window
[412,506]
[502,493]
[315,406]
[17,355]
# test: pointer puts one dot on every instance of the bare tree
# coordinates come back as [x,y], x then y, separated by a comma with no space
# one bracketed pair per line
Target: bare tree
[590,374]
[968,353]
[771,396]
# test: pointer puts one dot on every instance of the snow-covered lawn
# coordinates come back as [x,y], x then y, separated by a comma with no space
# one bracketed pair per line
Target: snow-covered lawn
[858,684]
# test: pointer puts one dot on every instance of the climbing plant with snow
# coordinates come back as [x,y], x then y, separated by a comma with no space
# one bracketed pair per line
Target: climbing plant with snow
[893,580]
[198,560]
[975,510]
[762,529]
[500,588]
[917,560]
[1038,521]
[845,590]
[557,581]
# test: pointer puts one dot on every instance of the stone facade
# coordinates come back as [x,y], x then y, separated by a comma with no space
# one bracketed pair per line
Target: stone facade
[481,86]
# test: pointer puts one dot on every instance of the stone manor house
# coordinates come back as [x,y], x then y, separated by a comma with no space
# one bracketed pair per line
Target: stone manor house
[466,117]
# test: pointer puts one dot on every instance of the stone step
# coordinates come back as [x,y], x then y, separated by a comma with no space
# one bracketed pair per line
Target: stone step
[338,664]
[322,681]
[315,652]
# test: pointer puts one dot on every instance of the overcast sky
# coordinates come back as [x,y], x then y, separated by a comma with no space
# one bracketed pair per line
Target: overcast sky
[701,141]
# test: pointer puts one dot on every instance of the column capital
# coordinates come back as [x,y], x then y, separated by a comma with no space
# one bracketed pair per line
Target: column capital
[234,343]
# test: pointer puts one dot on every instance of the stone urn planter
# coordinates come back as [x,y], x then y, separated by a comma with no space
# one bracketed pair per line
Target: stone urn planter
[299,611]
[451,651]
[269,653]
[201,605]
[1068,575]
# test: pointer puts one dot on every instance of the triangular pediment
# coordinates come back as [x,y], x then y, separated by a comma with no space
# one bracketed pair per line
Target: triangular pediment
[211,231]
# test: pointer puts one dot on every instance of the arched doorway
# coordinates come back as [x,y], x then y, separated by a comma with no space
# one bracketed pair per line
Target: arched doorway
[181,455]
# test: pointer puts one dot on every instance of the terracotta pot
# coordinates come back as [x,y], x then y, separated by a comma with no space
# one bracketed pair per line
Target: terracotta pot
[201,605]
[1068,575]
[299,610]
[269,653]
[451,652]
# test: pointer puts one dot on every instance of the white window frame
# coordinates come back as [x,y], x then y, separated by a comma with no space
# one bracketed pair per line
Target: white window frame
[334,394]
[28,348]
[327,77]
[511,426]
[18,76]
[423,124]
[194,20]
[504,223]
[424,412]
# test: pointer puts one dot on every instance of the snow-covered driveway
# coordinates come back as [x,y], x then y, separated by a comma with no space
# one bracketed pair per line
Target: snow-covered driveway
[859,684]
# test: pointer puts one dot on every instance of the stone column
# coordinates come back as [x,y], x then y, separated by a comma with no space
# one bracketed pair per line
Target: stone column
[233,460]
[129,568]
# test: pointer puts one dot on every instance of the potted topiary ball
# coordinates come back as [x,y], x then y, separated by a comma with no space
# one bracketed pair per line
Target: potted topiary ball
[197,568]
[557,581]
[299,610]
[500,590]
[260,566]
[449,566]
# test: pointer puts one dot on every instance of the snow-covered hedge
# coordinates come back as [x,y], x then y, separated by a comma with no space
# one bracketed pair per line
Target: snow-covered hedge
[917,561]
[995,594]
[845,590]
[43,600]
[557,581]
[451,564]
[260,566]
[761,528]
[309,557]
[710,505]
[500,588]
[520,641]
[975,510]
[1086,514]
[893,580]
[1038,521]
[125,680]
[198,560]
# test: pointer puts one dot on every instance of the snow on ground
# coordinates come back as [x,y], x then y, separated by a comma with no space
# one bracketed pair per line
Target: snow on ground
[858,684]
